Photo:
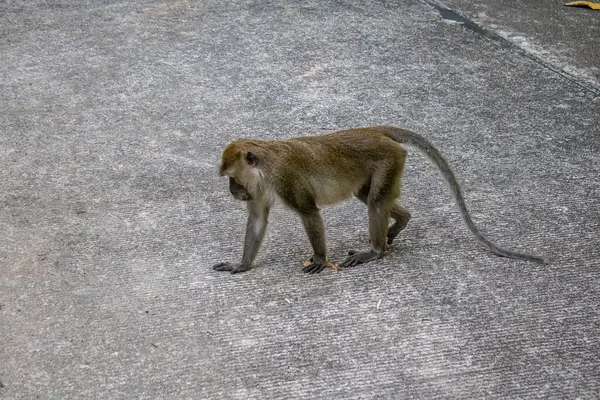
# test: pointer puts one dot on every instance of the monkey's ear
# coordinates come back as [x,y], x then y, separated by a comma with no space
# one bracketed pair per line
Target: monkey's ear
[251,158]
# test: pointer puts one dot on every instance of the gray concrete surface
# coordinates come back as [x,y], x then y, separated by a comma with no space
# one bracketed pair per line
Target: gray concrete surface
[112,119]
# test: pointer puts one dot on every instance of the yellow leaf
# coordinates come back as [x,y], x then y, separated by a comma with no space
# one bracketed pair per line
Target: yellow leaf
[593,6]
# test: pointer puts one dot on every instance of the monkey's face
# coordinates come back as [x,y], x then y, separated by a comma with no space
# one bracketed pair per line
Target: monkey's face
[239,165]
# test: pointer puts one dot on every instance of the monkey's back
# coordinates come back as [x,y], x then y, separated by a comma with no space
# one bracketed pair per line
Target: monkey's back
[334,166]
[352,151]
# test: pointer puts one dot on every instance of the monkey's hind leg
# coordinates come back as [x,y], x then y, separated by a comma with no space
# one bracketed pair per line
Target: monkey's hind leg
[402,216]
[379,216]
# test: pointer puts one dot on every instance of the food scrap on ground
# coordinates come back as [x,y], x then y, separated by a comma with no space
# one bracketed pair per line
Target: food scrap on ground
[329,264]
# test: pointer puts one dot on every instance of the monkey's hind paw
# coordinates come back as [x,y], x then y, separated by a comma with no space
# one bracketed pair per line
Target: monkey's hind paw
[311,268]
[234,268]
[359,257]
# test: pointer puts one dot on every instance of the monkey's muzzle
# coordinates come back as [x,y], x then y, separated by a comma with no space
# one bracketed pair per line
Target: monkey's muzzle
[238,191]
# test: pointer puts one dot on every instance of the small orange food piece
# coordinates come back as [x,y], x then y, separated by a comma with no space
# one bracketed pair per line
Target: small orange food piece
[329,264]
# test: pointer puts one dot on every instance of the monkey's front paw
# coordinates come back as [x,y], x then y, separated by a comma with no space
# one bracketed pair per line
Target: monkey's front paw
[311,267]
[234,268]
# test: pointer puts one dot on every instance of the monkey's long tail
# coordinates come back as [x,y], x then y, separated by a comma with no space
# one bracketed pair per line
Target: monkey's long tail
[414,139]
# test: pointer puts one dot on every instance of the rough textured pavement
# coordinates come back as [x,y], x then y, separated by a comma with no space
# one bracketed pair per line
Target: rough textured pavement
[112,119]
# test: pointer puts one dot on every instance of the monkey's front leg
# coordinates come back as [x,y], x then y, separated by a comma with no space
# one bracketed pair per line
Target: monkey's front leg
[313,225]
[258,213]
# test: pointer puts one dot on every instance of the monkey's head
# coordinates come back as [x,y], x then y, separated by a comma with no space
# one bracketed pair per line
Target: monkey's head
[241,165]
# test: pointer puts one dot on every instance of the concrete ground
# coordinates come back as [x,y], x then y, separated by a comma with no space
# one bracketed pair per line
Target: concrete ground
[112,119]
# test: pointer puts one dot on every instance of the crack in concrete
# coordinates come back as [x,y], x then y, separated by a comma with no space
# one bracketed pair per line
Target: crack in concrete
[451,15]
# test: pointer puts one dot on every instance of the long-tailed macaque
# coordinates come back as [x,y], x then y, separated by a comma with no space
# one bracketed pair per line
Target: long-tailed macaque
[309,172]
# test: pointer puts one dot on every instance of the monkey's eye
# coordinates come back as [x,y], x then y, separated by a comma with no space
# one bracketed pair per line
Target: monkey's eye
[251,158]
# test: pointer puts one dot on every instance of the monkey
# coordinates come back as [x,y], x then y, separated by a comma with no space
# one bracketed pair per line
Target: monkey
[309,172]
